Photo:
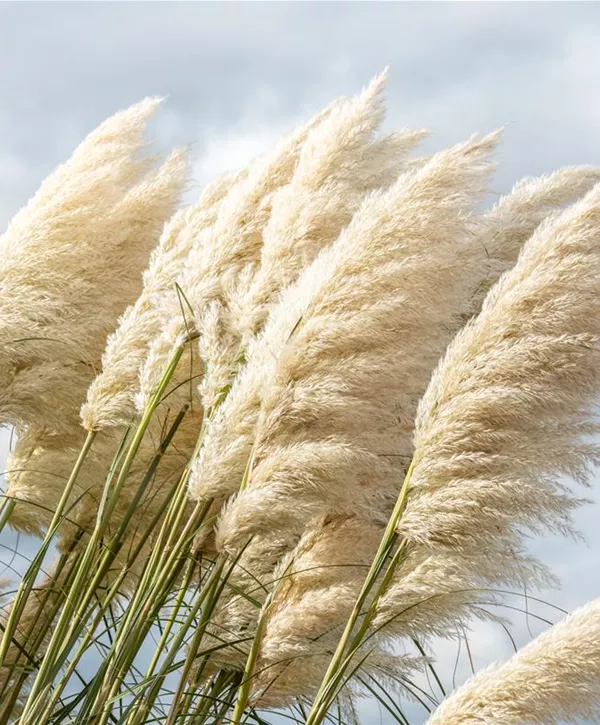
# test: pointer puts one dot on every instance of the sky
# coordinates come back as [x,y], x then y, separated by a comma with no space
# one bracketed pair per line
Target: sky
[238,76]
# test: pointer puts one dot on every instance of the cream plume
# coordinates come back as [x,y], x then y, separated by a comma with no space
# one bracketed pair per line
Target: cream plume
[383,244]
[323,576]
[338,165]
[293,669]
[436,584]
[330,276]
[314,582]
[220,259]
[111,396]
[328,371]
[509,409]
[248,585]
[432,593]
[554,679]
[71,261]
[513,219]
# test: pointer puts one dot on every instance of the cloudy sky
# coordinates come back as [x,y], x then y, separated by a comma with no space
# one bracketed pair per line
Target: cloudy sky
[239,75]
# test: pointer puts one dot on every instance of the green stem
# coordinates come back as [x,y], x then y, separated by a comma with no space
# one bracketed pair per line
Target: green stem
[26,584]
[347,643]
[81,593]
[8,506]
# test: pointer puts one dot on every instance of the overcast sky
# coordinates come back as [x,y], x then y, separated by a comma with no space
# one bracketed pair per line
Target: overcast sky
[237,76]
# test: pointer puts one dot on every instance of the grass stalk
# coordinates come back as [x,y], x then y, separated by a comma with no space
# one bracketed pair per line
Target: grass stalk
[348,644]
[6,510]
[28,580]
[145,608]
[53,589]
[207,596]
[103,606]
[82,591]
[248,674]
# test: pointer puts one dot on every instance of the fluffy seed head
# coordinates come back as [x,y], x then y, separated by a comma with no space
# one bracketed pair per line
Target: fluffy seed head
[329,389]
[510,408]
[339,163]
[554,679]
[111,396]
[71,261]
[431,594]
[221,259]
[513,219]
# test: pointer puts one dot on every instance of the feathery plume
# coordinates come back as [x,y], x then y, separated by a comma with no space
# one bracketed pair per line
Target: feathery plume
[71,261]
[554,679]
[432,594]
[510,408]
[248,584]
[111,396]
[338,165]
[292,669]
[221,259]
[509,411]
[513,219]
[310,276]
[302,626]
[328,369]
[322,579]
[330,328]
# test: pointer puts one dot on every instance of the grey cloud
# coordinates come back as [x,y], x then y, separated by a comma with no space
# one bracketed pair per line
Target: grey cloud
[454,65]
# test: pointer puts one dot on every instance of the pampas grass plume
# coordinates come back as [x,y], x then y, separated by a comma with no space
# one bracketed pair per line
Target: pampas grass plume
[221,258]
[71,261]
[328,372]
[513,219]
[554,679]
[339,163]
[510,409]
[433,594]
[111,396]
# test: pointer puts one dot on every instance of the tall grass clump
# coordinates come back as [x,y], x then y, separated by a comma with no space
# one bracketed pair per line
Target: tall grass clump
[277,444]
[71,262]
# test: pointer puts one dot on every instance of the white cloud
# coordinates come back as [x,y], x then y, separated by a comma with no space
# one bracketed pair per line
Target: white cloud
[232,148]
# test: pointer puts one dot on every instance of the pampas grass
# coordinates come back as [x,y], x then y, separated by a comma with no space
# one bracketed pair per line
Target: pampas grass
[327,427]
[338,166]
[111,396]
[510,409]
[220,260]
[512,220]
[71,261]
[288,473]
[554,679]
[331,585]
[346,378]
